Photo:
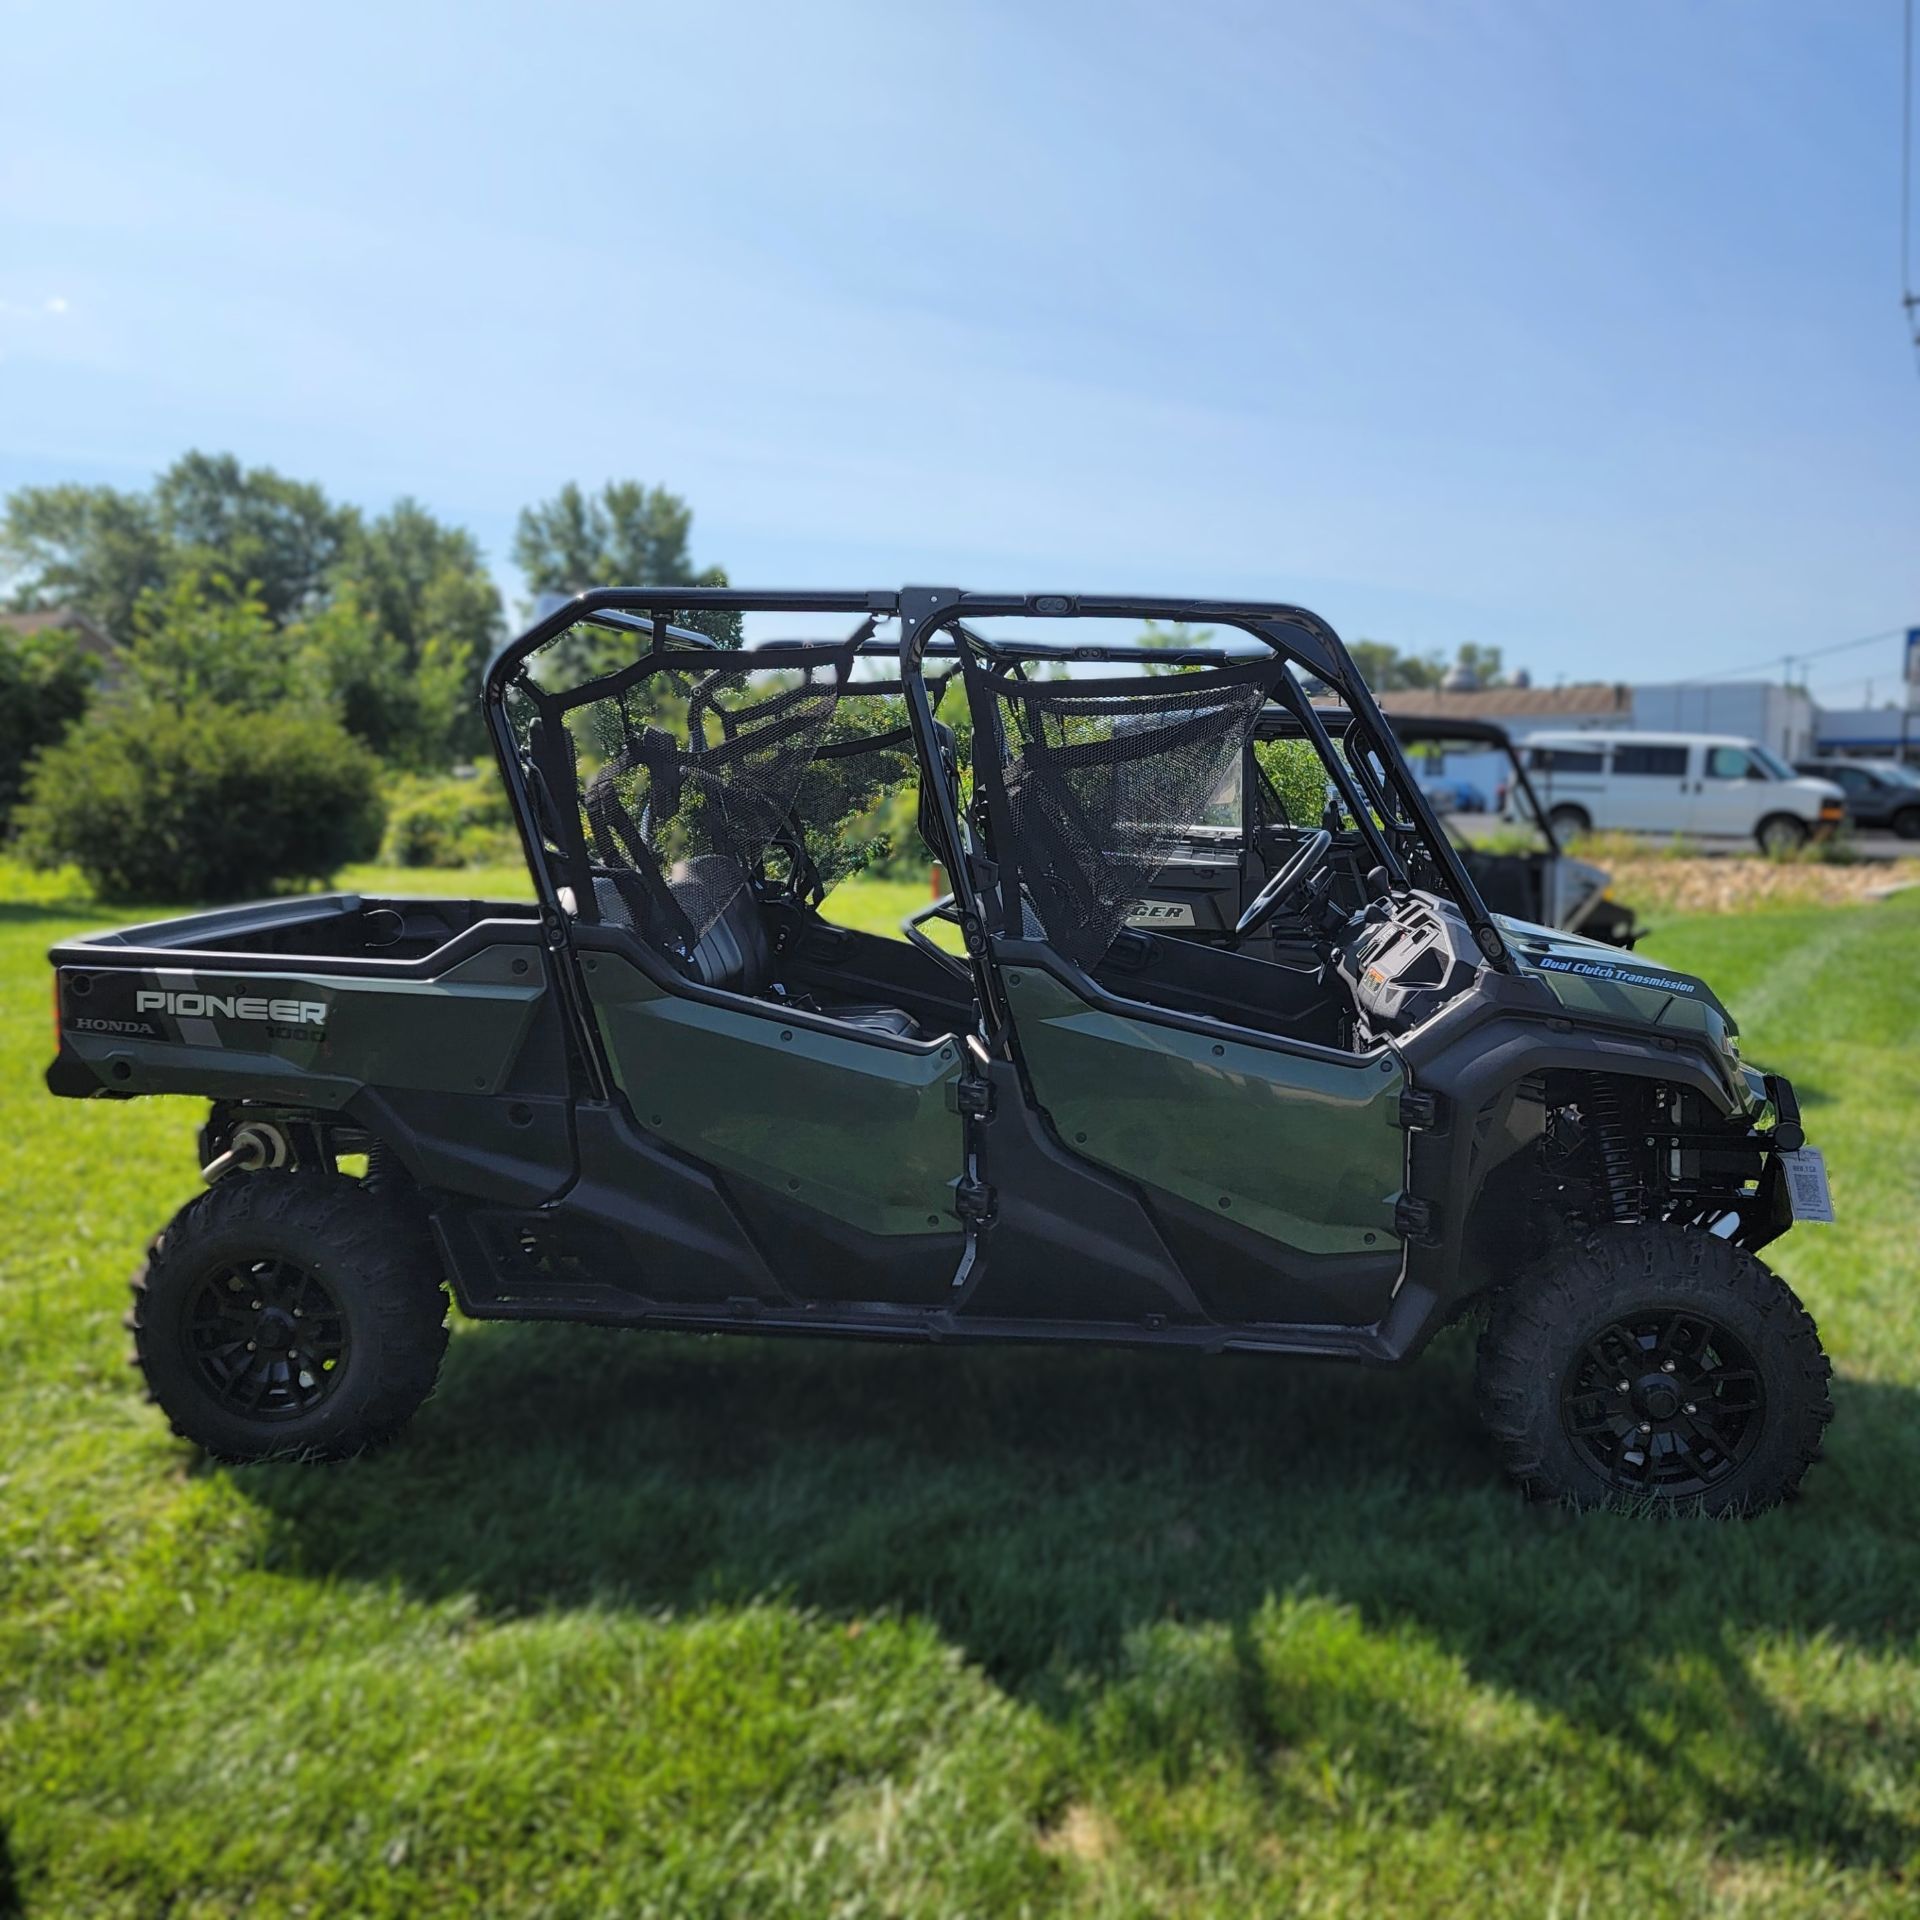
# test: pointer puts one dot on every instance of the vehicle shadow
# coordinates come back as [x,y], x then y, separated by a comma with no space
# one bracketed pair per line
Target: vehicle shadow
[1047,1509]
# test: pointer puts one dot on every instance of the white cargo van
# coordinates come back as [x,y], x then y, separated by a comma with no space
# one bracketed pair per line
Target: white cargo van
[1710,786]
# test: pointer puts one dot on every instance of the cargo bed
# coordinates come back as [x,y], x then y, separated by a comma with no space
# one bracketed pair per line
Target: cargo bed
[428,1024]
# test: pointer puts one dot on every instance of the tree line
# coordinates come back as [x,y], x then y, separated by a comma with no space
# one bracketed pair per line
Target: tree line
[269,640]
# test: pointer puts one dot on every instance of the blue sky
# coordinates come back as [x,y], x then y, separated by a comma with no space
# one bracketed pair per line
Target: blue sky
[1570,329]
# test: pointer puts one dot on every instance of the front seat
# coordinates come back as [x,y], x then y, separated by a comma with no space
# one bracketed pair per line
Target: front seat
[734,955]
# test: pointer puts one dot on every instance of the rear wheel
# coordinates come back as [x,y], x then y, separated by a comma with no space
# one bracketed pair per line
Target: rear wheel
[1568,823]
[1906,823]
[1654,1364]
[287,1314]
[1781,833]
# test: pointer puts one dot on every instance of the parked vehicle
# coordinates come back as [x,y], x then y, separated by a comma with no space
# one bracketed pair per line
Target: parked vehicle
[672,1094]
[1455,796]
[1536,879]
[1879,793]
[1710,785]
[1214,869]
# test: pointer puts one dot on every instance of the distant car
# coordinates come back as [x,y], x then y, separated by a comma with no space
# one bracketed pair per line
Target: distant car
[1880,793]
[1455,796]
[1713,785]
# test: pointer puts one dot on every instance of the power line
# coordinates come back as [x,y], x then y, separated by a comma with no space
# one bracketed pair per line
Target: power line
[1795,656]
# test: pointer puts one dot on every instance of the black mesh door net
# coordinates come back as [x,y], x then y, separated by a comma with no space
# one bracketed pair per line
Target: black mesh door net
[1100,781]
[662,786]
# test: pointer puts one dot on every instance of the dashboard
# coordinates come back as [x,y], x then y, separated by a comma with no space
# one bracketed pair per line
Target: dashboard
[1406,961]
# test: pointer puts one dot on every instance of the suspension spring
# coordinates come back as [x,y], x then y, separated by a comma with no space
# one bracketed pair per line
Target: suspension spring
[1622,1192]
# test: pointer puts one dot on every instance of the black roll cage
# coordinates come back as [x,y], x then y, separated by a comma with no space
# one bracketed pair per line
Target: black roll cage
[934,623]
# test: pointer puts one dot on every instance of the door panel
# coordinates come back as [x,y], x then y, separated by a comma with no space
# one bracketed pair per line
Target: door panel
[1303,1150]
[1730,797]
[1650,787]
[869,1135]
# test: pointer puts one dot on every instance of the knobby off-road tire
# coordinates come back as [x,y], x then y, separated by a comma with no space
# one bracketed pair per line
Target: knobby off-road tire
[290,1315]
[1654,1364]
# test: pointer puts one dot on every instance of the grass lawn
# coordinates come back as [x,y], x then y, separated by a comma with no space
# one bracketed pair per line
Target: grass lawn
[632,1624]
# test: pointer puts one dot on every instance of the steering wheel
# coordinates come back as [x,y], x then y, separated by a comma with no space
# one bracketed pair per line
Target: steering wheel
[1312,853]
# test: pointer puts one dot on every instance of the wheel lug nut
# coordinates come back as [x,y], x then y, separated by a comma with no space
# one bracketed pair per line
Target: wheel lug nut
[1646,1426]
[1620,1386]
[293,1353]
[256,1306]
[251,1344]
[1691,1408]
[1666,1366]
[298,1315]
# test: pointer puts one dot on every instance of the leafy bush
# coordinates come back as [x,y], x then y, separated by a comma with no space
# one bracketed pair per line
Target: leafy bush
[202,801]
[46,680]
[1295,768]
[448,823]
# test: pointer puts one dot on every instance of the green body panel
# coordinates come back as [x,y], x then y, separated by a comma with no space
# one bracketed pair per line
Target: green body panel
[1588,976]
[458,1033]
[871,1135]
[1303,1149]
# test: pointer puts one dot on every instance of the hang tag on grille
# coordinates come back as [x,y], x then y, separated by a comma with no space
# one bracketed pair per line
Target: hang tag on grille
[1807,1188]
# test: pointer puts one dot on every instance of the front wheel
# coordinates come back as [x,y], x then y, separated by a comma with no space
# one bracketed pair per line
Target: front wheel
[1658,1365]
[1569,823]
[1781,834]
[289,1315]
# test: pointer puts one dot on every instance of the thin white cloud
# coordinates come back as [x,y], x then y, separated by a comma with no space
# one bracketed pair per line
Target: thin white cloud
[56,303]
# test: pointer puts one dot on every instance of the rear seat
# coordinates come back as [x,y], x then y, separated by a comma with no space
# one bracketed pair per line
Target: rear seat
[733,954]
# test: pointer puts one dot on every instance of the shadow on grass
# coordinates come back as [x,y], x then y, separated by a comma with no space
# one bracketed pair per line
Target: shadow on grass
[10,1904]
[1045,1508]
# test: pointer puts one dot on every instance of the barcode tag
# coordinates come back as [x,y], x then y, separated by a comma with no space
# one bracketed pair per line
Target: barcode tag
[1807,1187]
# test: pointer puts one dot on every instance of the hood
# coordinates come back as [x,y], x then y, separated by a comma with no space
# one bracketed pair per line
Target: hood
[1592,977]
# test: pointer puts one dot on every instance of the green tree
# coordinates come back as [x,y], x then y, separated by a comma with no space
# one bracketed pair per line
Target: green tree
[95,549]
[429,587]
[626,535]
[100,549]
[46,680]
[1387,670]
[406,710]
[251,523]
[1483,663]
[203,639]
[424,580]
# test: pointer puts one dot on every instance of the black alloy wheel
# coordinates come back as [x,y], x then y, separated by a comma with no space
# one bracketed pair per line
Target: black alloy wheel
[1664,1401]
[267,1337]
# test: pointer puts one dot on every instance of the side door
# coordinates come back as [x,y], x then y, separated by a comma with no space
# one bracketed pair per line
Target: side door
[842,1149]
[1651,786]
[1272,1171]
[1732,793]
[763,1140]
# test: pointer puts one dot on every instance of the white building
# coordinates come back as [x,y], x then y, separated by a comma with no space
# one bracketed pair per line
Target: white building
[1778,717]
[1782,718]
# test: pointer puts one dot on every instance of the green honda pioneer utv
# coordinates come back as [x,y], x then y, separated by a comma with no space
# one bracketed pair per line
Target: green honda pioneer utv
[674,1093]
